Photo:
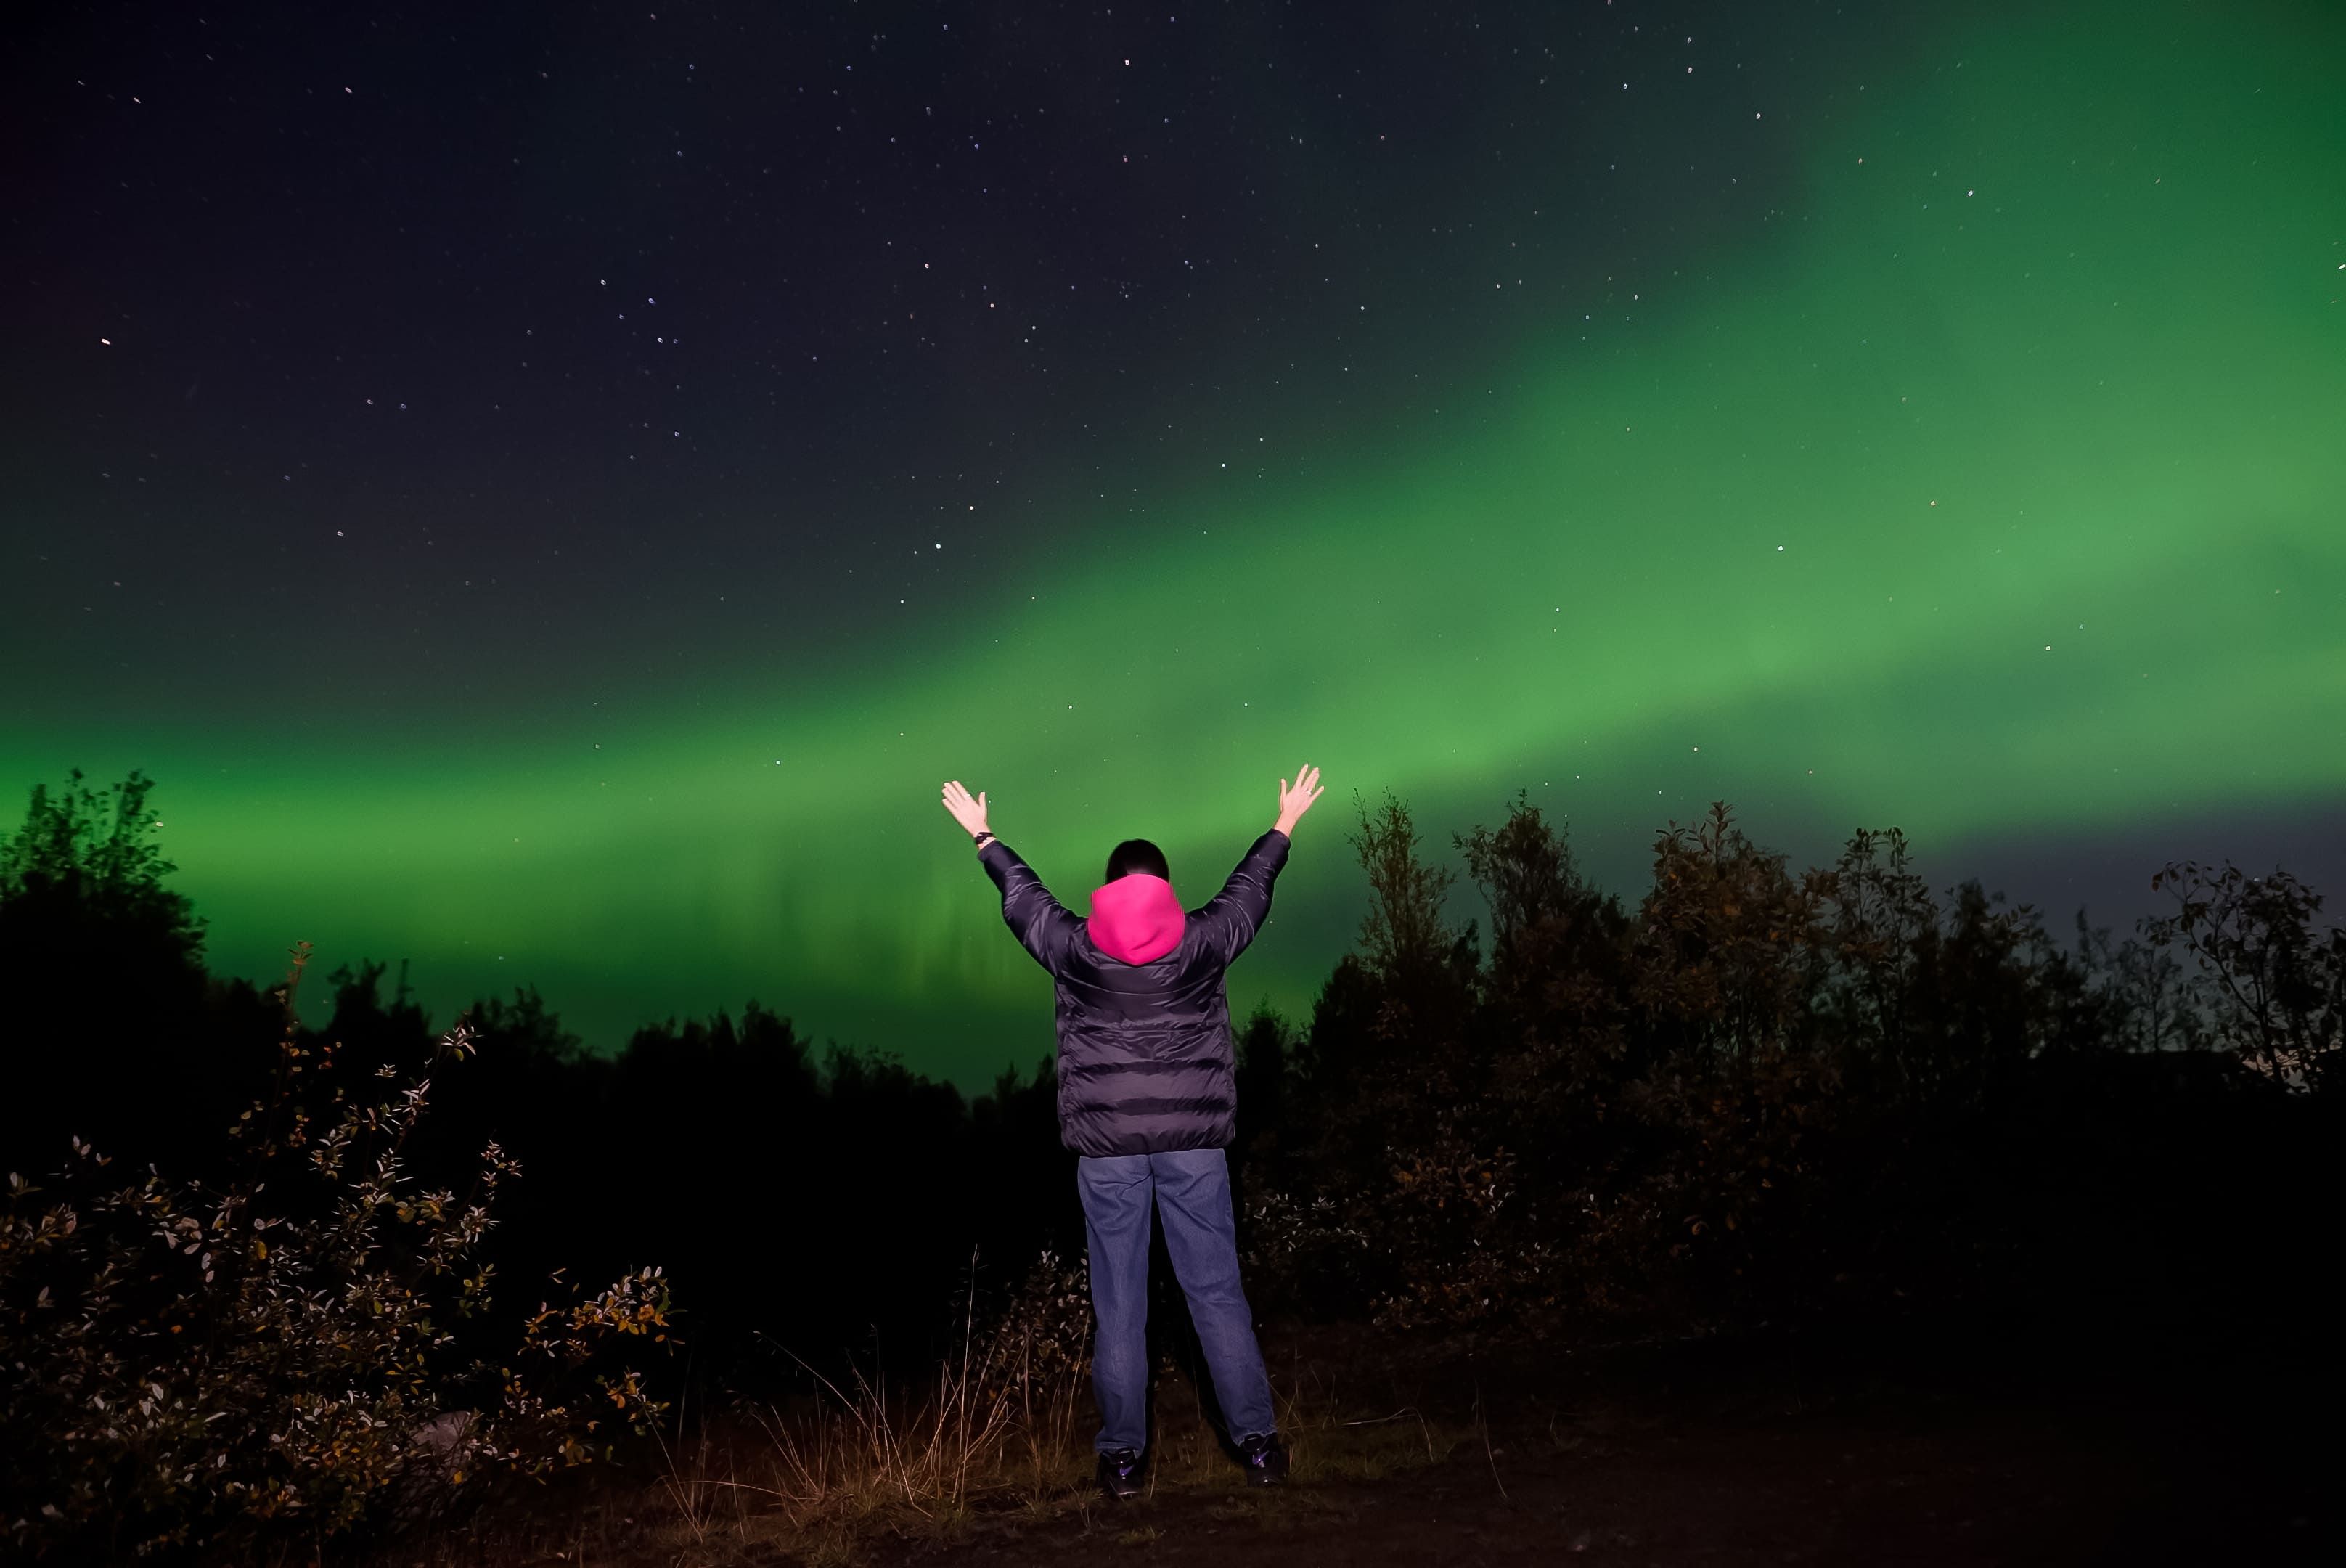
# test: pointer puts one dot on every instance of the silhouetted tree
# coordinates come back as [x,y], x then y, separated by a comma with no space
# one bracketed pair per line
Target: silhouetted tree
[2278,979]
[1263,1048]
[115,1031]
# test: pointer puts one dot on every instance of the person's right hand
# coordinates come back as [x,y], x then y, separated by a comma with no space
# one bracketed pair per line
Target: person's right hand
[1294,802]
[967,810]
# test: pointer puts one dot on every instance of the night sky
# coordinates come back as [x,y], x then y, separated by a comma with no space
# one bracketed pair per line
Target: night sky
[550,490]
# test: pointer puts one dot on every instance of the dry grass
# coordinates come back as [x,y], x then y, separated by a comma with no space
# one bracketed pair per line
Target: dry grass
[865,1460]
[981,1446]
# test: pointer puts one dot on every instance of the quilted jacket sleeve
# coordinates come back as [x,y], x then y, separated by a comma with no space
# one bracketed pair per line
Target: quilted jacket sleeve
[1233,915]
[1042,927]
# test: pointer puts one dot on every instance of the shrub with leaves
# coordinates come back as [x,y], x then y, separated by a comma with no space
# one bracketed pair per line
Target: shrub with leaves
[1042,1335]
[1305,1253]
[1466,1238]
[291,1351]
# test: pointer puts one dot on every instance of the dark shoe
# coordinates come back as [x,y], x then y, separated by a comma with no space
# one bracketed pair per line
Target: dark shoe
[1119,1474]
[1265,1458]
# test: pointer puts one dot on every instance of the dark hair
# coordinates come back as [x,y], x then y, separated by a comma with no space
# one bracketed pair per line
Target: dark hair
[1136,855]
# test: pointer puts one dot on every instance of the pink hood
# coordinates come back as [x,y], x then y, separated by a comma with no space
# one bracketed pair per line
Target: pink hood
[1137,917]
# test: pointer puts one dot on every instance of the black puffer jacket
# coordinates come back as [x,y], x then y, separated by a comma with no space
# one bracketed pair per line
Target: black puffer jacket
[1147,1054]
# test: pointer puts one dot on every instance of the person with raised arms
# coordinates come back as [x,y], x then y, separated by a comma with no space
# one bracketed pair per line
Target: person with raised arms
[1148,1103]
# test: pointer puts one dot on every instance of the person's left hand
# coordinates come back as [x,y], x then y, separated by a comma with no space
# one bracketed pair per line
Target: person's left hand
[969,813]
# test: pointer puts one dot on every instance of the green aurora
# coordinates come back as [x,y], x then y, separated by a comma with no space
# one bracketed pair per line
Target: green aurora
[1994,485]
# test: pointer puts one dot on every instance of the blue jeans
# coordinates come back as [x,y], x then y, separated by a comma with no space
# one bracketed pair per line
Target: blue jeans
[1192,1188]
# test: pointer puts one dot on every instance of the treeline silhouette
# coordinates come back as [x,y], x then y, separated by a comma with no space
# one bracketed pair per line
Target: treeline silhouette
[1760,1094]
[812,1202]
[1754,1092]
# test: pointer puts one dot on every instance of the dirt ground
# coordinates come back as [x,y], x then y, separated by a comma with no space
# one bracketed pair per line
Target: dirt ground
[1770,1454]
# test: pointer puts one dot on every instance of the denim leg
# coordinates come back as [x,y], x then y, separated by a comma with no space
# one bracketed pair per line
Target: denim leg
[1193,1194]
[1116,1219]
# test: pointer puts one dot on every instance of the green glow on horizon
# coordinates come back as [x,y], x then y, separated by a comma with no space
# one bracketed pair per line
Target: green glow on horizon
[2060,361]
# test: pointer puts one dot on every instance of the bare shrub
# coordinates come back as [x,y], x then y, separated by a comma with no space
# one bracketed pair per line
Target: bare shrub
[2274,980]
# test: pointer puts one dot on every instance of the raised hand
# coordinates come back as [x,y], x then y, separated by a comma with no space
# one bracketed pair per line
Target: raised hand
[1294,802]
[968,811]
